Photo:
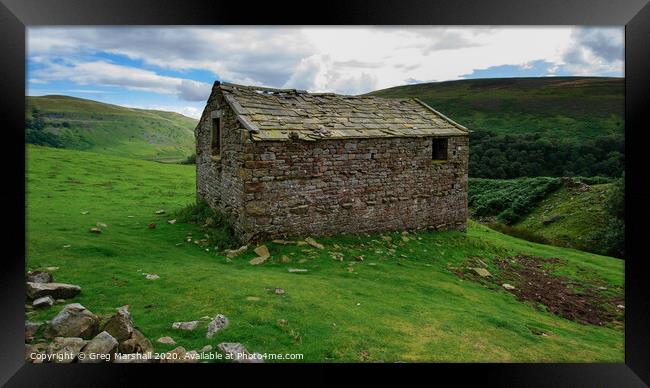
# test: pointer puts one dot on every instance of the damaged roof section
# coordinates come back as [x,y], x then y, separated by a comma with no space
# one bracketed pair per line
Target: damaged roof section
[283,114]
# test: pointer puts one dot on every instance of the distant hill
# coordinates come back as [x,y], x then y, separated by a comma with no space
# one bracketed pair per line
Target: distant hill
[77,123]
[544,126]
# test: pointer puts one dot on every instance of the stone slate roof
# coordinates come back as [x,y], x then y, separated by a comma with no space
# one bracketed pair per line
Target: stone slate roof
[282,114]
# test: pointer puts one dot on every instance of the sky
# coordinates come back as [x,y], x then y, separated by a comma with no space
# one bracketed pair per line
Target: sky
[173,68]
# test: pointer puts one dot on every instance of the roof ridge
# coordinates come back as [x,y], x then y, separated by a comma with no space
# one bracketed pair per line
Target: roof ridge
[452,122]
[262,88]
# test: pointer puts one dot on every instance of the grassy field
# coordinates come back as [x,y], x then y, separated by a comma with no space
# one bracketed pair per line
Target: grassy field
[409,305]
[110,129]
[569,109]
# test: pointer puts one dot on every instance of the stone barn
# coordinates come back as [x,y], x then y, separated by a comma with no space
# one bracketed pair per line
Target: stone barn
[284,162]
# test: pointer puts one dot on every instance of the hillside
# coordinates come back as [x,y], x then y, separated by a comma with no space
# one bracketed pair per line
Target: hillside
[545,126]
[76,123]
[380,297]
[562,212]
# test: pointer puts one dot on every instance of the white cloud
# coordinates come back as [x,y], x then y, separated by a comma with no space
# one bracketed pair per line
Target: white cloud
[108,74]
[334,59]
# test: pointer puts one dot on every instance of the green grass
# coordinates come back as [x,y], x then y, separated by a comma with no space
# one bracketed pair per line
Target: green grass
[408,306]
[580,216]
[114,130]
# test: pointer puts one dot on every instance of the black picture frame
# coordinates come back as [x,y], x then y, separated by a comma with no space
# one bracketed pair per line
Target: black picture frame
[16,15]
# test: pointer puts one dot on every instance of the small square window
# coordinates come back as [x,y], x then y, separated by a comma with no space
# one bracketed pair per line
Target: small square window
[439,149]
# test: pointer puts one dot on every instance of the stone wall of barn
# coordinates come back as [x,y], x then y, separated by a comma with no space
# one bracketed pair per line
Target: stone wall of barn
[332,186]
[220,182]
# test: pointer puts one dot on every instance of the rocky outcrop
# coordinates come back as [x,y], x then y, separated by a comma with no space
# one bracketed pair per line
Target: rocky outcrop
[102,348]
[219,322]
[55,290]
[236,352]
[120,325]
[73,321]
[39,277]
[65,350]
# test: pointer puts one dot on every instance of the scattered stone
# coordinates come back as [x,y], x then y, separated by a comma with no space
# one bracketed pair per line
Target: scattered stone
[176,355]
[387,238]
[55,290]
[45,301]
[279,291]
[253,298]
[237,353]
[65,350]
[160,211]
[51,268]
[219,322]
[258,260]
[151,226]
[232,253]
[95,230]
[284,242]
[359,258]
[138,343]
[620,306]
[120,325]
[296,270]
[206,349]
[313,243]
[31,328]
[39,277]
[67,246]
[482,272]
[167,340]
[59,301]
[172,222]
[151,276]
[262,251]
[185,325]
[102,348]
[101,225]
[73,321]
[508,286]
[285,259]
[84,213]
[34,353]
[405,238]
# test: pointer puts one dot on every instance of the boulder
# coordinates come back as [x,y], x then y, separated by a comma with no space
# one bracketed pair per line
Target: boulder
[64,350]
[120,325]
[31,328]
[236,352]
[45,301]
[262,251]
[55,290]
[102,348]
[219,322]
[179,355]
[258,260]
[73,321]
[39,277]
[185,325]
[167,340]
[482,272]
[35,353]
[232,253]
[138,343]
[313,243]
